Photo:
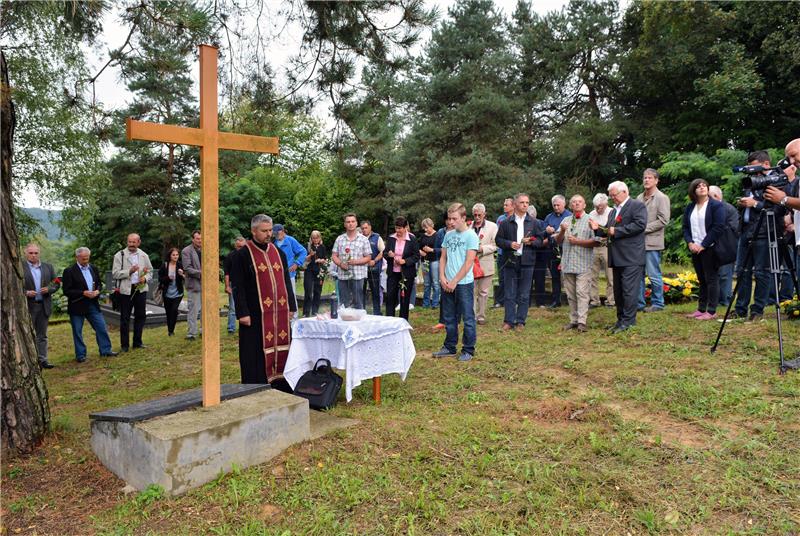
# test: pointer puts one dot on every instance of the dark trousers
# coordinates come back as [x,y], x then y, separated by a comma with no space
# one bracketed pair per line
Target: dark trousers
[312,290]
[137,303]
[373,284]
[518,293]
[707,269]
[499,296]
[40,321]
[171,308]
[540,275]
[725,284]
[395,295]
[627,284]
[787,281]
[555,277]
[758,267]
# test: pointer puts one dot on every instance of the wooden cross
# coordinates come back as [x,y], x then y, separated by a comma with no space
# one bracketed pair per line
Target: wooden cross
[210,140]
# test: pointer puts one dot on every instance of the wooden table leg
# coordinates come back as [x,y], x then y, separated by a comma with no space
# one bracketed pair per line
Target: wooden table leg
[376,390]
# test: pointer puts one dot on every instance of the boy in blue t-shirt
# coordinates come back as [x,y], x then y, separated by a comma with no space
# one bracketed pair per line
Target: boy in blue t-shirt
[455,274]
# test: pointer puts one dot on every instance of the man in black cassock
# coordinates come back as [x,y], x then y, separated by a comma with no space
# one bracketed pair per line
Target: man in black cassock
[264,298]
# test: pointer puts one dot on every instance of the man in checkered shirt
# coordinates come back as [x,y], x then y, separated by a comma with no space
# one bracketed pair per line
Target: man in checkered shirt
[577,240]
[351,254]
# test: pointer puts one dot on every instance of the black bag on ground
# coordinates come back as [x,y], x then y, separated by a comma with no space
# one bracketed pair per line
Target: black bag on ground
[319,386]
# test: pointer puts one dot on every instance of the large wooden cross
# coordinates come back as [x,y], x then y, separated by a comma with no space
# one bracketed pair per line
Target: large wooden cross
[210,140]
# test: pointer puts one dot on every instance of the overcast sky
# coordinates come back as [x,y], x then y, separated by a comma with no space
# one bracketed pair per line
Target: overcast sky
[112,93]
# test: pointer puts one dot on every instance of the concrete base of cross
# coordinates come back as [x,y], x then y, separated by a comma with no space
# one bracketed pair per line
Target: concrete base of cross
[184,450]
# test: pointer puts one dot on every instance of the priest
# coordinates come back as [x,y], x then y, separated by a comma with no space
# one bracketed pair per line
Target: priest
[264,298]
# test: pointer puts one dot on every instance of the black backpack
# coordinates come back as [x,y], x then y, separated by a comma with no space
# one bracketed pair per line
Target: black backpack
[319,386]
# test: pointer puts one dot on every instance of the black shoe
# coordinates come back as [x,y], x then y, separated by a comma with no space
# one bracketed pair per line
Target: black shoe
[80,359]
[124,349]
[190,337]
[46,365]
[111,354]
[171,334]
[620,329]
[554,306]
[140,347]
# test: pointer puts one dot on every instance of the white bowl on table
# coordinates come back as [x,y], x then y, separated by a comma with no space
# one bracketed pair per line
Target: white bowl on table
[352,315]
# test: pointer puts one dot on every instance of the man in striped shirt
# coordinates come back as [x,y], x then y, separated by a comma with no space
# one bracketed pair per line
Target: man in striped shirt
[577,240]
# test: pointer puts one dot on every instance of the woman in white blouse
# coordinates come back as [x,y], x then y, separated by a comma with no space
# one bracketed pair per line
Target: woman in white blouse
[703,221]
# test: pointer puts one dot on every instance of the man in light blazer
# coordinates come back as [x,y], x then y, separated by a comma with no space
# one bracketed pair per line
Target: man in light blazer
[192,267]
[486,231]
[132,271]
[39,280]
[626,252]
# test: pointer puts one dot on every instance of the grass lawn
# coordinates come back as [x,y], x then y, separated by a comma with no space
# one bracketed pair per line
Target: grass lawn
[543,433]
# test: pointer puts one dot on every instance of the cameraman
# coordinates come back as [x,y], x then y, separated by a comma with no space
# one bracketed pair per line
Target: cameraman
[750,206]
[789,197]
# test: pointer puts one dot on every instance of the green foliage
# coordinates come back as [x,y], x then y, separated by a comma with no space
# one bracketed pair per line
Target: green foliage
[303,200]
[57,152]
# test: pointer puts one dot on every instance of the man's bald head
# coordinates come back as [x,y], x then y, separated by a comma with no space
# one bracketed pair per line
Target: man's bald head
[134,241]
[792,152]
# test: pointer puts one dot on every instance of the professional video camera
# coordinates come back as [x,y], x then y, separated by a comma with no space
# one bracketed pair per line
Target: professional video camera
[754,181]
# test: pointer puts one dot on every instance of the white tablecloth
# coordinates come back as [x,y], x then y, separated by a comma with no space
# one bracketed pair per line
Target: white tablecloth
[364,349]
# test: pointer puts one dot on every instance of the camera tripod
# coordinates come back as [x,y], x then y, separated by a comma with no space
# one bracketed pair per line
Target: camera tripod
[776,252]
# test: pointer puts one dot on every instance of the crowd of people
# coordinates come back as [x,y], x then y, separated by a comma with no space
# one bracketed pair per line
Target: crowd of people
[622,241]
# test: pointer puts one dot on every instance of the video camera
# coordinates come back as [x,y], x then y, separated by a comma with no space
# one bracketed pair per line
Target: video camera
[755,182]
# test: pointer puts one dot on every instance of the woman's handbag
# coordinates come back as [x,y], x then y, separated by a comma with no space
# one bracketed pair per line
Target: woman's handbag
[319,386]
[158,296]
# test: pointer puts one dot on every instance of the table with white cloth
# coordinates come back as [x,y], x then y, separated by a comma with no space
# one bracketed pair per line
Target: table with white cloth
[364,349]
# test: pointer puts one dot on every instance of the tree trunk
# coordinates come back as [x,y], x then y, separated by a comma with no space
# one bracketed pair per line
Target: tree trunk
[25,411]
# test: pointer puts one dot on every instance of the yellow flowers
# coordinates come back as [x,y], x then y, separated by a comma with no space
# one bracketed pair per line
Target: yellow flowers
[791,308]
[681,288]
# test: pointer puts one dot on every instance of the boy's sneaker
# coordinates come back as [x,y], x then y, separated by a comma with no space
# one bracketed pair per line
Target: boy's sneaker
[755,318]
[465,356]
[444,352]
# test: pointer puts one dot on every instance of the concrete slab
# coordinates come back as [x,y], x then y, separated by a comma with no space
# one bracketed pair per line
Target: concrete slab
[142,411]
[187,449]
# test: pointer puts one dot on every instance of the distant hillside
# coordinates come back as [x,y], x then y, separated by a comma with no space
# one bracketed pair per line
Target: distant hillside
[49,220]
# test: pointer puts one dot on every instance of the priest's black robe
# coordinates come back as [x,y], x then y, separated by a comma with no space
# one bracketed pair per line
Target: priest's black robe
[247,303]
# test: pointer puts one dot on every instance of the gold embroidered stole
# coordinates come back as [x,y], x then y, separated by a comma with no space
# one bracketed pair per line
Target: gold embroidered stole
[274,302]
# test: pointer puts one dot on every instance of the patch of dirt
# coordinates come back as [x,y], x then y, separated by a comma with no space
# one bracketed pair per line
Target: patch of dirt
[57,491]
[668,428]
[270,514]
[555,410]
